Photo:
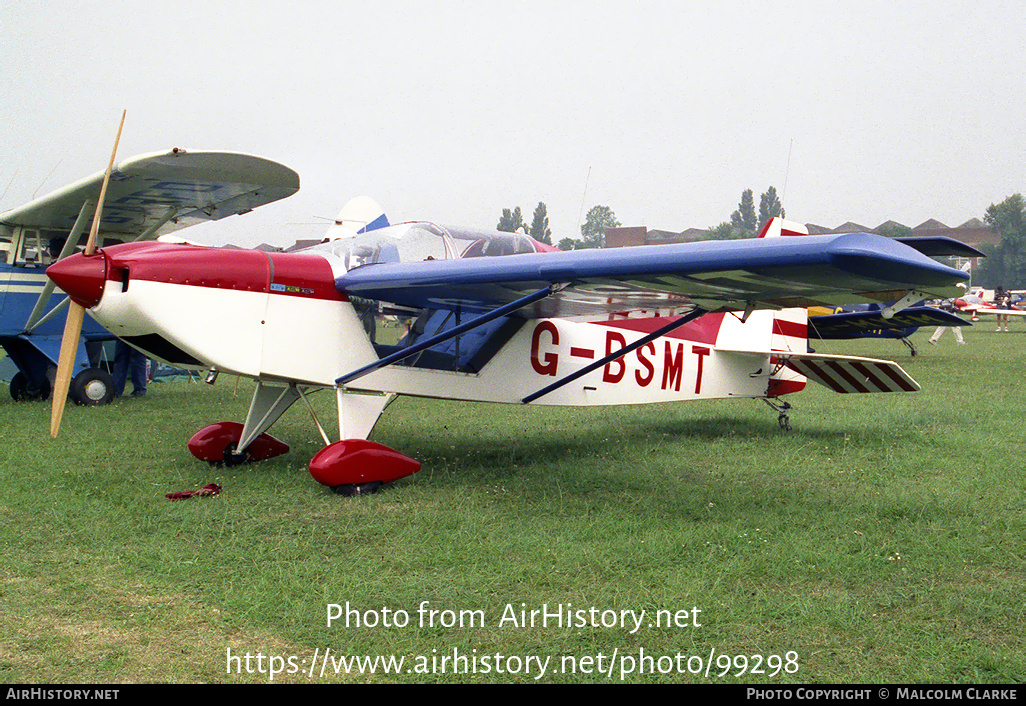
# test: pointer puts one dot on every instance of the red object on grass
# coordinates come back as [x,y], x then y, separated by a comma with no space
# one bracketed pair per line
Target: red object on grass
[208,489]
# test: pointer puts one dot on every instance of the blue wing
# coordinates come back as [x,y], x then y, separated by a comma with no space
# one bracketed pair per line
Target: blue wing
[711,275]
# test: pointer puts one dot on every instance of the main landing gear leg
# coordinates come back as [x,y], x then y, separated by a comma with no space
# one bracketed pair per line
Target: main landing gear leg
[268,404]
[782,408]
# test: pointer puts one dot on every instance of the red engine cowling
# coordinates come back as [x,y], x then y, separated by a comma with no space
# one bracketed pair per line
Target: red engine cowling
[358,461]
[210,442]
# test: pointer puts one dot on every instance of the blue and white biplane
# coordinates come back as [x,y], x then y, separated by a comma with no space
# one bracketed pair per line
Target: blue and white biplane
[148,196]
[487,317]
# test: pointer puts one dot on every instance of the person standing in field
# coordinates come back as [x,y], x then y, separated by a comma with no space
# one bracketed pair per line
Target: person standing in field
[1003,300]
[959,339]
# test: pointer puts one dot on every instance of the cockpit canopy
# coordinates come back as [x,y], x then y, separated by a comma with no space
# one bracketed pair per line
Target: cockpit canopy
[419,241]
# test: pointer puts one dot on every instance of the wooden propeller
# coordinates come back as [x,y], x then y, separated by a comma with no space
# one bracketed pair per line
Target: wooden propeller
[76,312]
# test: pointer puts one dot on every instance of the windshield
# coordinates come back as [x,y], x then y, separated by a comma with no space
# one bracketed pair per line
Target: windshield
[407,242]
[416,242]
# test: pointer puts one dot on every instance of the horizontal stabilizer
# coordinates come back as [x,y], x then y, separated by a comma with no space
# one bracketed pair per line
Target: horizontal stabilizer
[850,373]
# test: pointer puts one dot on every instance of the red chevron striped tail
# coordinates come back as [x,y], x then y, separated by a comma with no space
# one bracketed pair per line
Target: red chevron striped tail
[850,373]
[790,335]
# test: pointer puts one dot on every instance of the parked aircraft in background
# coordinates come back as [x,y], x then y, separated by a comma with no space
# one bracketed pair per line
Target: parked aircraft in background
[868,321]
[148,196]
[980,303]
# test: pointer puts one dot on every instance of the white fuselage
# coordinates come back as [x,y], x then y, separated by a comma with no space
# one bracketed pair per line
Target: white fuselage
[278,317]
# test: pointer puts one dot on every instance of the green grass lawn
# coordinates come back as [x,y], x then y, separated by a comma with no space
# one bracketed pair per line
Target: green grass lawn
[882,540]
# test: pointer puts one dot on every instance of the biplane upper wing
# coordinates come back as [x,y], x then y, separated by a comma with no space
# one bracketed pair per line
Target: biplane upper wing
[709,275]
[158,193]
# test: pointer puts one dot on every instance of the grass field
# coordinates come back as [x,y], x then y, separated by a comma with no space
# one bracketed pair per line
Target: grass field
[880,541]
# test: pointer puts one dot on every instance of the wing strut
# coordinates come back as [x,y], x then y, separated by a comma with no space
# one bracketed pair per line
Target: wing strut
[691,316]
[69,246]
[451,333]
[905,302]
[170,213]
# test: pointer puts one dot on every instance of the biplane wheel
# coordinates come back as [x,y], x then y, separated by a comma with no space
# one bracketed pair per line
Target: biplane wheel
[351,489]
[22,390]
[92,387]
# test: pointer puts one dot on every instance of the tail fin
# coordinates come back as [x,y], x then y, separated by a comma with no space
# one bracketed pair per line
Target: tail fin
[359,215]
[790,335]
[776,227]
[767,335]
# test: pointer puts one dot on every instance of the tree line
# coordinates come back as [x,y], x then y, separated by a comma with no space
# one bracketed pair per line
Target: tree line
[592,230]
[1005,262]
[744,222]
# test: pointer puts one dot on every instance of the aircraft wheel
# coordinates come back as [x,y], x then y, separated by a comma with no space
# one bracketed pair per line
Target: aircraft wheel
[92,387]
[234,459]
[350,489]
[22,390]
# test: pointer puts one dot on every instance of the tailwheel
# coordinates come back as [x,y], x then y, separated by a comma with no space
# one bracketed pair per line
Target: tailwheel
[359,467]
[783,416]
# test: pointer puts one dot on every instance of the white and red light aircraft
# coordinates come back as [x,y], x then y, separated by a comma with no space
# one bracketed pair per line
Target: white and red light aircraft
[976,305]
[589,327]
[662,323]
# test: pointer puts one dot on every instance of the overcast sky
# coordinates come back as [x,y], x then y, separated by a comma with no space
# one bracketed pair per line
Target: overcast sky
[452,111]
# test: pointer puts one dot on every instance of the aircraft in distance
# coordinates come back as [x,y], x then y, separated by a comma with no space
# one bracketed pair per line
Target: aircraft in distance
[867,321]
[977,304]
[646,324]
[148,196]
